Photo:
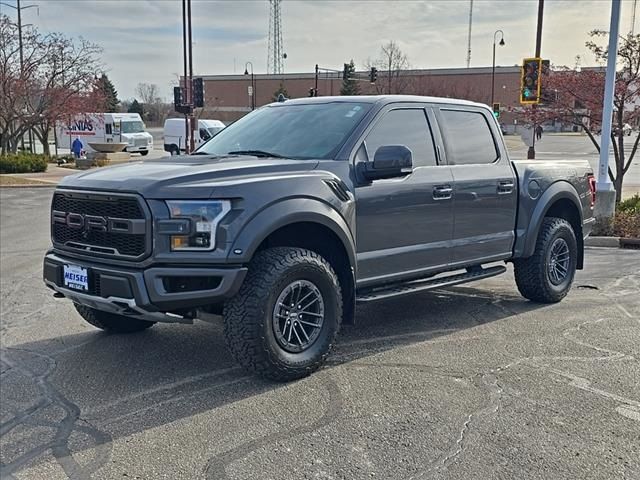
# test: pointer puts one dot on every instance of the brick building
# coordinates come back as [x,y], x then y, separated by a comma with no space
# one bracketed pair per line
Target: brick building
[227,98]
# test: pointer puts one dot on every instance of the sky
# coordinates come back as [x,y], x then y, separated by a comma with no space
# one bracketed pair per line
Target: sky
[142,39]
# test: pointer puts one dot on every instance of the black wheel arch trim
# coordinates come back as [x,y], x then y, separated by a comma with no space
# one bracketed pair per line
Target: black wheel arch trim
[288,212]
[526,239]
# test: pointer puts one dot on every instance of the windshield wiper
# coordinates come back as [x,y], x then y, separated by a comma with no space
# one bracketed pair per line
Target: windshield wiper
[255,153]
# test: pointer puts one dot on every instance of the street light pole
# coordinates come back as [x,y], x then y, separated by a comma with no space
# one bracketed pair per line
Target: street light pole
[253,85]
[606,198]
[493,65]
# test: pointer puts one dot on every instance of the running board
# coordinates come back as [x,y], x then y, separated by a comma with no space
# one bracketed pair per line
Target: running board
[422,285]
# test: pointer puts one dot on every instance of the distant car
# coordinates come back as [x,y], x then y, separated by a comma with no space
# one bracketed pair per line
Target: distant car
[174,133]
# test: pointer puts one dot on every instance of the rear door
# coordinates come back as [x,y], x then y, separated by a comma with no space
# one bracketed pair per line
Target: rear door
[485,187]
[404,225]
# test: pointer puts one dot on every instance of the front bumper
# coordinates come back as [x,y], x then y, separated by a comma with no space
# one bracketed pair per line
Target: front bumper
[151,293]
[138,148]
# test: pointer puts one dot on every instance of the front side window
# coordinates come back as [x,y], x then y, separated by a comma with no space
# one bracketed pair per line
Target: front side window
[297,130]
[408,127]
[468,138]
[132,127]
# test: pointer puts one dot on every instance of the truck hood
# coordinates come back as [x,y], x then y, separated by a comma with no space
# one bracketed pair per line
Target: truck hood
[192,176]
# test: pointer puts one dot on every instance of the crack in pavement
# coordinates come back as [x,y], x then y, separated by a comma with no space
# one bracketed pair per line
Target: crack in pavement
[215,468]
[59,445]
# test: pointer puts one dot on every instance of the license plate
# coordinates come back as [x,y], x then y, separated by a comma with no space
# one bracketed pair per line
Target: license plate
[76,277]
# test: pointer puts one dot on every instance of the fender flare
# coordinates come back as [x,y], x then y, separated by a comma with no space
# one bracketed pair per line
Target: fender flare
[557,191]
[287,212]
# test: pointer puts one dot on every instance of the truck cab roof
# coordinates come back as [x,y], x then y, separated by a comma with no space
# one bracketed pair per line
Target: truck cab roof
[380,99]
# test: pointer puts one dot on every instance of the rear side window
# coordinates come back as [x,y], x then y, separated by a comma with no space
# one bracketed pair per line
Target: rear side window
[404,127]
[468,138]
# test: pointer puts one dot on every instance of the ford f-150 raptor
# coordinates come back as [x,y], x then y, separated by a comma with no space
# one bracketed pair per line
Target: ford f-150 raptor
[291,216]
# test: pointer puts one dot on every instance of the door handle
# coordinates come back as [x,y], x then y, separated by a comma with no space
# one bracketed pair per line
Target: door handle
[505,187]
[442,192]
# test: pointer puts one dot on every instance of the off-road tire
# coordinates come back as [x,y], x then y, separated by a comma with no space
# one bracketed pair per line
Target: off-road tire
[248,327]
[111,322]
[532,274]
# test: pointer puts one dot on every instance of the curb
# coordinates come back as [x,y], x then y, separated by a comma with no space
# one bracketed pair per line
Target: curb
[31,185]
[610,242]
[613,242]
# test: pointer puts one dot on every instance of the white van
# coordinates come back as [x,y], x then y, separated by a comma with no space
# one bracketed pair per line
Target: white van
[174,133]
[106,128]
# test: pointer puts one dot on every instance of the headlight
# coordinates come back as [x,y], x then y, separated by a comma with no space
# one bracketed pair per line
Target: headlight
[204,216]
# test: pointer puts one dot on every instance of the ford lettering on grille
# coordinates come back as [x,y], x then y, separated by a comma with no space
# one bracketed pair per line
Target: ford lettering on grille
[87,223]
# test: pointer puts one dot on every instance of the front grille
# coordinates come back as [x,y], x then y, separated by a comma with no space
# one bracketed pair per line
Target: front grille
[94,241]
[140,142]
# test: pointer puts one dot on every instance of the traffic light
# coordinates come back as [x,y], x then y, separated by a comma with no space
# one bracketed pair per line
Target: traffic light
[345,71]
[373,75]
[530,81]
[198,92]
[496,110]
[177,98]
[546,94]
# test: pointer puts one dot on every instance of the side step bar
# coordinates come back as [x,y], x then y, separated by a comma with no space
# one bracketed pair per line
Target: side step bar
[472,274]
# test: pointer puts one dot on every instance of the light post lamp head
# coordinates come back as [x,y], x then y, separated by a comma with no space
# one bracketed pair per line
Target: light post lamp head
[495,36]
[246,72]
[501,42]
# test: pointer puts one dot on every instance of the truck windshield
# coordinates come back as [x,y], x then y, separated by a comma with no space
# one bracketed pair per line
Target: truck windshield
[301,131]
[132,127]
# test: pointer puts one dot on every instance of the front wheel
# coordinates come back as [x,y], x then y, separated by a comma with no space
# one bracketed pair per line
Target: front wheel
[285,318]
[547,275]
[144,152]
[112,322]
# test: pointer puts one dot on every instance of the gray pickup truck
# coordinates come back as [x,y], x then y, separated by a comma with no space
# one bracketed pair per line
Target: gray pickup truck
[291,216]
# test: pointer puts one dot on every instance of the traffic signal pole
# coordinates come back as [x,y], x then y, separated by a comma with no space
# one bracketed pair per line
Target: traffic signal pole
[184,85]
[531,153]
[192,145]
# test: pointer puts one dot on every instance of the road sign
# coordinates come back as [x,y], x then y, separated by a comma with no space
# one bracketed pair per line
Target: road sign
[250,90]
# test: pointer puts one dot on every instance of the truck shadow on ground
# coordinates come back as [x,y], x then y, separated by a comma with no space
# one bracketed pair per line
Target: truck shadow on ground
[112,386]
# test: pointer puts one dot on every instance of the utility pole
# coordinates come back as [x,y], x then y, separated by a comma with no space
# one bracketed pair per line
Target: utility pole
[19,9]
[469,34]
[531,153]
[606,198]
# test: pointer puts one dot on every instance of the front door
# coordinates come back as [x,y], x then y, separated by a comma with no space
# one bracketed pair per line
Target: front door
[485,186]
[404,225]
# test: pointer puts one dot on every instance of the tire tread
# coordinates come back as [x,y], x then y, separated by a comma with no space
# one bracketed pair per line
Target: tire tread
[244,315]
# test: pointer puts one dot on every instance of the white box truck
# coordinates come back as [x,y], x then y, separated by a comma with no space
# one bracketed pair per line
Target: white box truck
[106,128]
[174,133]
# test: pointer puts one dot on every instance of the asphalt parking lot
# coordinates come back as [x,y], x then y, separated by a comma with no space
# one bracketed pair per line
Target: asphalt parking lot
[472,382]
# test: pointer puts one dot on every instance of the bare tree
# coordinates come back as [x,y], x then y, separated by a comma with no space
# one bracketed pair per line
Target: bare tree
[55,80]
[149,95]
[393,66]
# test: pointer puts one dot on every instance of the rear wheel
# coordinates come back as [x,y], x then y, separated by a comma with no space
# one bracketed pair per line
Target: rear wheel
[174,150]
[111,322]
[547,275]
[284,320]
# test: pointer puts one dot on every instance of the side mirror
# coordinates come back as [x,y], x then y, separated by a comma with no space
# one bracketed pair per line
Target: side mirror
[389,161]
